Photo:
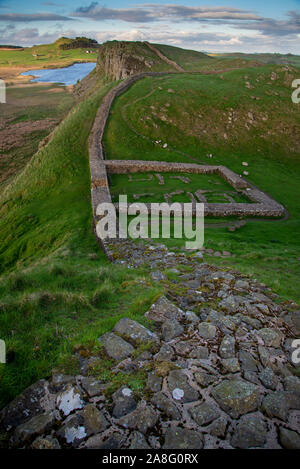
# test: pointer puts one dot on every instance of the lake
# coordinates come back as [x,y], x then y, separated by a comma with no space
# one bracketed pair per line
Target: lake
[64,76]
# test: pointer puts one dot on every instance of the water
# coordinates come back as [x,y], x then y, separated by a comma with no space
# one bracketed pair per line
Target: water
[64,76]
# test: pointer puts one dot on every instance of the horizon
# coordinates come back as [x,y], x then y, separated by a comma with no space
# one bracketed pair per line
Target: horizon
[211,27]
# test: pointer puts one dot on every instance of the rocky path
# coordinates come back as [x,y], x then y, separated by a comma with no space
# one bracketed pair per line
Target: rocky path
[216,355]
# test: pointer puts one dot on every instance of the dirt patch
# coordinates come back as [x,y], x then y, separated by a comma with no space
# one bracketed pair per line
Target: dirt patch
[12,136]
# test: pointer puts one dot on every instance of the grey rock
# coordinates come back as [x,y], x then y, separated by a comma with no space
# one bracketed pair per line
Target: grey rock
[292,383]
[177,380]
[45,442]
[158,276]
[92,419]
[33,401]
[248,362]
[154,382]
[143,418]
[114,441]
[207,330]
[124,403]
[191,317]
[270,337]
[138,441]
[237,397]
[268,378]
[171,329]
[276,404]
[204,414]
[204,379]
[134,332]
[116,347]
[218,427]
[200,352]
[59,379]
[34,427]
[230,304]
[166,353]
[241,285]
[289,439]
[165,405]
[251,432]
[227,347]
[92,386]
[181,438]
[230,365]
[163,309]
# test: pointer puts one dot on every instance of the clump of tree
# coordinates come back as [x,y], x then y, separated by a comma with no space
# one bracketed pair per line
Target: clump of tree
[79,43]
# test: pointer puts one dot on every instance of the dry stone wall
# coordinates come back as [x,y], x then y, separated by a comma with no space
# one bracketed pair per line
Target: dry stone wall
[262,206]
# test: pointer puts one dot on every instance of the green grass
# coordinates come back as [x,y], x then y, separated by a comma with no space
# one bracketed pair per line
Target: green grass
[191,114]
[148,183]
[54,294]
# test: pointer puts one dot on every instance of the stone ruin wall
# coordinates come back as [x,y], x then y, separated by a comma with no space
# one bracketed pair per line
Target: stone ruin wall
[263,205]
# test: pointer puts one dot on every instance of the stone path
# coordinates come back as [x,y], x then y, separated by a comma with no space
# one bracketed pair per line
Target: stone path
[217,361]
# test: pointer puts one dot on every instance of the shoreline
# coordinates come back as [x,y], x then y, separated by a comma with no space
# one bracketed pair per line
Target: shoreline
[12,75]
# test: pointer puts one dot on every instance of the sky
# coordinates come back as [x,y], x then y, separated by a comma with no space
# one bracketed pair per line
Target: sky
[211,26]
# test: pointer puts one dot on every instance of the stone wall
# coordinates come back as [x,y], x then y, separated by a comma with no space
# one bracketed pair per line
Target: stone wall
[263,206]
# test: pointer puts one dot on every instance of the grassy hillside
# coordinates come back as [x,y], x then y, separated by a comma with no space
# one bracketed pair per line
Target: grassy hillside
[45,56]
[243,115]
[56,288]
[187,59]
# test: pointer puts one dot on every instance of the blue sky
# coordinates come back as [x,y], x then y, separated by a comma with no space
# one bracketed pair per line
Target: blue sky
[215,26]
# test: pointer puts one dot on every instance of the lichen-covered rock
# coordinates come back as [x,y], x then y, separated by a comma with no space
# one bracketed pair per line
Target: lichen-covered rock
[182,438]
[116,347]
[270,337]
[268,378]
[166,353]
[289,439]
[207,330]
[124,403]
[227,347]
[165,405]
[204,414]
[134,332]
[276,404]
[69,399]
[92,386]
[171,329]
[163,309]
[237,397]
[247,361]
[138,441]
[251,432]
[205,379]
[292,383]
[230,365]
[34,427]
[45,442]
[142,418]
[154,382]
[100,441]
[36,399]
[180,388]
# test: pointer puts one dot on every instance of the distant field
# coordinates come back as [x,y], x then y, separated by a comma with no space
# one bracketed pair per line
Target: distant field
[277,59]
[243,115]
[29,115]
[44,56]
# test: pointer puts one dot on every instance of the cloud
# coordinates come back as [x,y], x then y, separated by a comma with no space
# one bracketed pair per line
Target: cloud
[271,27]
[25,36]
[23,17]
[153,12]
